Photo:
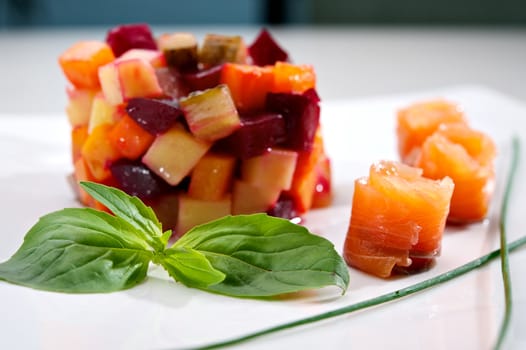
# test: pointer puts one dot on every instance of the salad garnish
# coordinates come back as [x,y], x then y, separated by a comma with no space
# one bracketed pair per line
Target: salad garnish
[82,250]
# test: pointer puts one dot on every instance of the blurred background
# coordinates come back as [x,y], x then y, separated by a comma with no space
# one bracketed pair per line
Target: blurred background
[359,48]
[20,13]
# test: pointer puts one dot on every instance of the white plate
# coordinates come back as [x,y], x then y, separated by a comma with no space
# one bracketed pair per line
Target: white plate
[160,314]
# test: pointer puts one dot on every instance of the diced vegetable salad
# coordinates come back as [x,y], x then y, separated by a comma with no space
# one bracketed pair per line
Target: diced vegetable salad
[198,130]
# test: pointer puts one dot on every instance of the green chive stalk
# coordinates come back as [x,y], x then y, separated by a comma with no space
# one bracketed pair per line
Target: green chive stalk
[504,251]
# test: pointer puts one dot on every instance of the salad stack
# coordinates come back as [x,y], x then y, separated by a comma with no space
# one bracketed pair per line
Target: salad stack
[197,130]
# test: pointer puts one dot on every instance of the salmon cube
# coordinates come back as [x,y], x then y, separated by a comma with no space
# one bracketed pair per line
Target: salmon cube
[397,215]
[467,156]
[418,121]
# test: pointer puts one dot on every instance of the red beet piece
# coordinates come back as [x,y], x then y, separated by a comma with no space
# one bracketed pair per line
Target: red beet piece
[312,95]
[154,116]
[136,179]
[171,82]
[203,79]
[256,134]
[302,116]
[284,208]
[130,36]
[165,207]
[265,50]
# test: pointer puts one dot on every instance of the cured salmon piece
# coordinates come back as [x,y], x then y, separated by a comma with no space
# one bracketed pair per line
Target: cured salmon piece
[418,121]
[397,215]
[467,156]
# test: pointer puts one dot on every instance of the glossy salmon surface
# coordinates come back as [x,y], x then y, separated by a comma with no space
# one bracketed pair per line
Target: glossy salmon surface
[397,217]
[418,121]
[467,157]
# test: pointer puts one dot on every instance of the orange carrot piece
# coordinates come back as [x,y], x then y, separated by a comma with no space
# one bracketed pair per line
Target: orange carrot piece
[129,138]
[80,63]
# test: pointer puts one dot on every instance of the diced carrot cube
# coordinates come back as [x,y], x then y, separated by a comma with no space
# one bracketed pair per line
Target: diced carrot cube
[82,173]
[293,78]
[81,62]
[212,177]
[99,206]
[306,176]
[79,135]
[98,152]
[248,85]
[129,138]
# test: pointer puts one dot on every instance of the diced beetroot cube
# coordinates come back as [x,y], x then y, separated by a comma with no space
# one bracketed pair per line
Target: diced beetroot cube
[171,82]
[154,116]
[130,36]
[285,208]
[266,51]
[136,179]
[256,134]
[312,95]
[203,79]
[302,115]
[165,207]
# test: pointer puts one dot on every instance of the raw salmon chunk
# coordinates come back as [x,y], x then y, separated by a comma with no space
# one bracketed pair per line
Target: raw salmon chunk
[467,156]
[418,121]
[397,218]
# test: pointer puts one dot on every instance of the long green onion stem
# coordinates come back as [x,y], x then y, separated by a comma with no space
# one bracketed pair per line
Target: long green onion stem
[505,266]
[447,276]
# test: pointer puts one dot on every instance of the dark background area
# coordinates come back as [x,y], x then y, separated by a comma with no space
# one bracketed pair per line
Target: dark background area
[51,13]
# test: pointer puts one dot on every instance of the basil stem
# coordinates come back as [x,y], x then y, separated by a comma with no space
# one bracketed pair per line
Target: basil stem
[442,278]
[505,265]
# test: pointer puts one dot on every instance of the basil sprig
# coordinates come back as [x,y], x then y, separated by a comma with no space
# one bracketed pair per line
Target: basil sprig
[81,250]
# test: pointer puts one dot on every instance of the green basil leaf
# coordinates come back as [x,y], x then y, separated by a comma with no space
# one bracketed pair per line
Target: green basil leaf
[190,267]
[262,256]
[131,209]
[79,250]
